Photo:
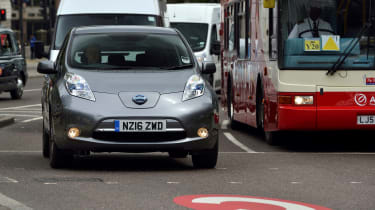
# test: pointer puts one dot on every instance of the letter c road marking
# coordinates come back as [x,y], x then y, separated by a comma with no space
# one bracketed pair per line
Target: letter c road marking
[234,202]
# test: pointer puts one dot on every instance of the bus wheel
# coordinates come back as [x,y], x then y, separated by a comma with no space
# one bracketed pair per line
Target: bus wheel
[233,123]
[271,137]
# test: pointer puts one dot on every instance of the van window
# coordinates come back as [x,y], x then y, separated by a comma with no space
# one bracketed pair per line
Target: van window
[66,22]
[195,33]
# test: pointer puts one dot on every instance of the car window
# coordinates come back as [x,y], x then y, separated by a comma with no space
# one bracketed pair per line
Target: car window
[6,45]
[124,51]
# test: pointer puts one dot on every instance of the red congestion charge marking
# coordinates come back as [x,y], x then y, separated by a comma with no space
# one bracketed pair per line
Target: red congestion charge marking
[239,202]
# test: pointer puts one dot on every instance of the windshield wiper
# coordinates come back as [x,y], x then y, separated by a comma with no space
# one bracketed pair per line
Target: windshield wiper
[177,67]
[349,49]
[353,43]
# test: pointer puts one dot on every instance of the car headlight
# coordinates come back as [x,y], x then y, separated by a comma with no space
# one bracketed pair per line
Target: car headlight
[194,88]
[77,86]
[304,100]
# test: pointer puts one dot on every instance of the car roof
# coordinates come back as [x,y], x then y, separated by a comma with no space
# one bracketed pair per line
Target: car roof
[123,29]
[70,7]
[5,30]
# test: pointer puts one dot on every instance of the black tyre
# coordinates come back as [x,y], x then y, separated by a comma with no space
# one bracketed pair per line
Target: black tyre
[18,92]
[206,159]
[59,158]
[45,143]
[233,123]
[272,138]
[178,154]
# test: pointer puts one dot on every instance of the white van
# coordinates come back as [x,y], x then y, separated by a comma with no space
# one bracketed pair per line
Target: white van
[75,13]
[200,24]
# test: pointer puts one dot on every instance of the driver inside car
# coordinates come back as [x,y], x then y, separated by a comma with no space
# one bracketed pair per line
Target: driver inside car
[312,26]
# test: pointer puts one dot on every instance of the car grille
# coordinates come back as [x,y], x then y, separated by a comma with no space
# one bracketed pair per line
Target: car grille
[139,136]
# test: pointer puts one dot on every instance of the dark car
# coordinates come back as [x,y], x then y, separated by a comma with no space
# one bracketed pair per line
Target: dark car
[13,74]
[128,89]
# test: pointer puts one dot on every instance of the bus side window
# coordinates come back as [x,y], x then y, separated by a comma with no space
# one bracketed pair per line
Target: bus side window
[242,30]
[231,37]
[272,33]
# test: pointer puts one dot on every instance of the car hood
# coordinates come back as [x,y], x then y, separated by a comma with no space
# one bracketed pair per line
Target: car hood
[115,82]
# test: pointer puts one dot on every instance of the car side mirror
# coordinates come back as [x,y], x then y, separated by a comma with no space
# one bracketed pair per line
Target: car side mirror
[46,67]
[208,68]
[215,47]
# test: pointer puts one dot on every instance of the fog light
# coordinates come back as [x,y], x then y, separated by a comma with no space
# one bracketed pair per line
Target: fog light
[73,133]
[203,132]
[304,100]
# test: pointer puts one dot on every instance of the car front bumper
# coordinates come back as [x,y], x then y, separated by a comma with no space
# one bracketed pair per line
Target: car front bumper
[96,123]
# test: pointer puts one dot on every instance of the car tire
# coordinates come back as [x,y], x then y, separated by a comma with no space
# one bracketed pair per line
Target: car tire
[45,143]
[178,154]
[18,92]
[206,159]
[57,158]
[233,123]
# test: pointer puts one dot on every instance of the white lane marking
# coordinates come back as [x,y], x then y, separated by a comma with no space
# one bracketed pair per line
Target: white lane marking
[173,182]
[295,182]
[235,182]
[21,111]
[7,180]
[31,120]
[31,90]
[12,204]
[20,107]
[231,138]
[221,168]
[20,151]
[50,183]
[355,182]
[274,169]
[224,124]
[19,115]
[111,182]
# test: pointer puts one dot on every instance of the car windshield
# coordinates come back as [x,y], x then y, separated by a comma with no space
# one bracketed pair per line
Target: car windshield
[195,33]
[66,22]
[317,32]
[128,51]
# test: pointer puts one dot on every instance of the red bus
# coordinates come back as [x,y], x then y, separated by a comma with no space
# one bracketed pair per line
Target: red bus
[299,65]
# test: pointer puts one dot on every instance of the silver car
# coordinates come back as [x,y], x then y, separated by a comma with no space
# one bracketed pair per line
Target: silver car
[128,89]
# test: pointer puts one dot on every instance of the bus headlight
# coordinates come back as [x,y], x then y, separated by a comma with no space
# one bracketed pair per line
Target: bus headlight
[304,100]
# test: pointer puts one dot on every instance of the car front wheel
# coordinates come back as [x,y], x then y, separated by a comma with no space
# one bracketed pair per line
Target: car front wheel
[18,92]
[206,159]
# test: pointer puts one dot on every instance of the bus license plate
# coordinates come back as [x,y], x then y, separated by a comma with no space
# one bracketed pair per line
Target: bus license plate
[140,125]
[366,120]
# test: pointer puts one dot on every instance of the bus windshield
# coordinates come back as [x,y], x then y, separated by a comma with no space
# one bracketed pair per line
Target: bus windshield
[315,33]
[66,22]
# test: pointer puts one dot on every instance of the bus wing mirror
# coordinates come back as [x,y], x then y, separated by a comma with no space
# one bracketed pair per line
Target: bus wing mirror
[269,4]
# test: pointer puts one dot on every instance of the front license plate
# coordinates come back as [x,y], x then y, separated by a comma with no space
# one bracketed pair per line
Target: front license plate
[366,119]
[140,125]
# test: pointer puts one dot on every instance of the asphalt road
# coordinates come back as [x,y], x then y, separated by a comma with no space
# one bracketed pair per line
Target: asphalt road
[331,169]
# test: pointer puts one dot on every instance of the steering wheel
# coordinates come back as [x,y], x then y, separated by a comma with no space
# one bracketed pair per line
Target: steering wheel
[310,30]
